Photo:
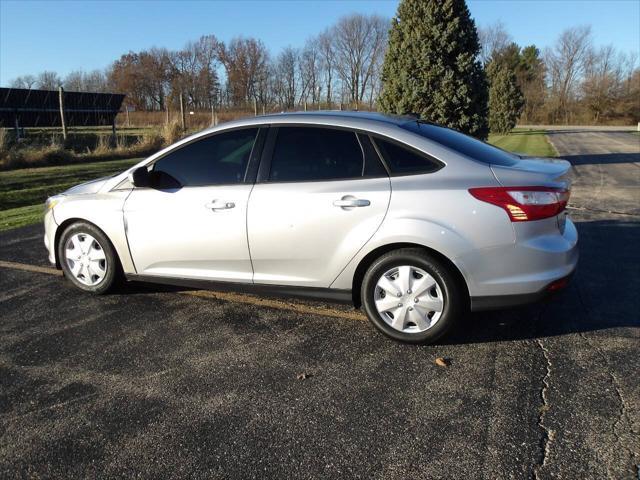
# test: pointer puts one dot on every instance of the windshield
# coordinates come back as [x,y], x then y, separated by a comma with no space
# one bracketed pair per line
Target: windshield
[464,144]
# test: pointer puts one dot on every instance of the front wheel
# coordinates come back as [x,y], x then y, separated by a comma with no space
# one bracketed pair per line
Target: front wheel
[87,258]
[412,296]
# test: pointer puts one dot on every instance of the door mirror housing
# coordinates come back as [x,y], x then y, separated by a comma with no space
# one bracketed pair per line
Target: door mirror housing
[140,177]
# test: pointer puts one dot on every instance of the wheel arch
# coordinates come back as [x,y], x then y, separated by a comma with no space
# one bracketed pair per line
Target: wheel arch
[70,221]
[376,253]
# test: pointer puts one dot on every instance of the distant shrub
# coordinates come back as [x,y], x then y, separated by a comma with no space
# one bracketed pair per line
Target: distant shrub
[171,133]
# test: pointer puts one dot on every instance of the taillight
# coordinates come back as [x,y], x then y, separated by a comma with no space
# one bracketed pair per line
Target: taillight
[523,204]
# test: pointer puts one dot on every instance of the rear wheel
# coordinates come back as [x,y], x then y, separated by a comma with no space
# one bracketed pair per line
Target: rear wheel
[412,296]
[87,258]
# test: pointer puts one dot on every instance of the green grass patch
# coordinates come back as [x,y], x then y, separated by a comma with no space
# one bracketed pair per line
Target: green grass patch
[19,217]
[23,192]
[526,142]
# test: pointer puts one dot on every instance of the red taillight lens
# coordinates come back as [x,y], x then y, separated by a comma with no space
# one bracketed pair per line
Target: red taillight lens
[558,285]
[524,204]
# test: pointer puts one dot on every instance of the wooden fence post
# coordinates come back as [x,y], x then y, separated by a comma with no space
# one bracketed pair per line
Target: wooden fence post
[16,127]
[184,122]
[62,120]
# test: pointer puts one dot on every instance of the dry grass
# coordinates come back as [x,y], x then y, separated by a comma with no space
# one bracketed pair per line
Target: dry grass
[196,121]
[107,148]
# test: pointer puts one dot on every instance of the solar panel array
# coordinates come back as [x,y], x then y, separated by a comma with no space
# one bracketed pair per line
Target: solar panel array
[41,108]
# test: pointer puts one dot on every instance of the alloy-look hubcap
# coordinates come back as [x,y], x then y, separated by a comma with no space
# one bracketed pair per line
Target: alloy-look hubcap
[86,259]
[408,299]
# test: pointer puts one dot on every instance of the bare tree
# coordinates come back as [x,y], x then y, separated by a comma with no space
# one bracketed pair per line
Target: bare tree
[207,50]
[74,81]
[246,63]
[95,81]
[566,62]
[310,71]
[25,81]
[48,81]
[285,70]
[328,62]
[602,81]
[359,44]
[493,38]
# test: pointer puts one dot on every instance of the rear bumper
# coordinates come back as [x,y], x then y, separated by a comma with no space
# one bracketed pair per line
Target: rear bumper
[520,273]
[499,302]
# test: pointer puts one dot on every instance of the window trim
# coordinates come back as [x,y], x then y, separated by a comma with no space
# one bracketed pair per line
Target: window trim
[250,169]
[269,147]
[438,163]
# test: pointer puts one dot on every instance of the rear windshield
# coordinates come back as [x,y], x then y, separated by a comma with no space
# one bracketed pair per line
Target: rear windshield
[464,144]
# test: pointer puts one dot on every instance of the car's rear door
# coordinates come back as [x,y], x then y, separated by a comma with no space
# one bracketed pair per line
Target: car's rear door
[321,194]
[192,223]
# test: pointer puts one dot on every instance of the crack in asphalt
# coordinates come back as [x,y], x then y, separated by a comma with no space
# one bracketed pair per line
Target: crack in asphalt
[547,434]
[615,383]
[599,210]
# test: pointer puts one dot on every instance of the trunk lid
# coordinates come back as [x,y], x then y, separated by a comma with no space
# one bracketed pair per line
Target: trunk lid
[549,172]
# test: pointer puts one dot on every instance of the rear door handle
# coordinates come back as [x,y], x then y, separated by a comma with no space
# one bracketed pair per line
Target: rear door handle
[348,201]
[220,205]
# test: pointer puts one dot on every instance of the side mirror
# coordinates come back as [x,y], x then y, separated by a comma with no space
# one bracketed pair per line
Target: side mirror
[140,177]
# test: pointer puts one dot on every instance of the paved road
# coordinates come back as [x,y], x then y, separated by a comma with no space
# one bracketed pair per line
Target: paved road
[606,167]
[150,382]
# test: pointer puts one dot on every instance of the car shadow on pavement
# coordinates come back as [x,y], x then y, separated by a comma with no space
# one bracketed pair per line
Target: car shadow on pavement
[603,159]
[603,294]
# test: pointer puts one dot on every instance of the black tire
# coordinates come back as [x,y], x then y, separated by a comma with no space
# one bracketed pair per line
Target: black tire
[112,263]
[454,294]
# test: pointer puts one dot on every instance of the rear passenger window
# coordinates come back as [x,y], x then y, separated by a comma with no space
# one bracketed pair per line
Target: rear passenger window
[402,160]
[309,153]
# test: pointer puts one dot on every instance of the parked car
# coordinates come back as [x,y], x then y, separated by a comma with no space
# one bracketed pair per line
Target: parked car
[415,222]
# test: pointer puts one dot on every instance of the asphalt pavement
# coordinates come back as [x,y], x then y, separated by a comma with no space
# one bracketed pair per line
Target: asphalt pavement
[157,382]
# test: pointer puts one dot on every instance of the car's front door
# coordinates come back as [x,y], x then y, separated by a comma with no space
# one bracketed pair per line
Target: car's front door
[322,193]
[192,222]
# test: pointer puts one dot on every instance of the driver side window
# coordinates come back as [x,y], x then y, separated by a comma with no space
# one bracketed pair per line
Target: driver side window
[216,160]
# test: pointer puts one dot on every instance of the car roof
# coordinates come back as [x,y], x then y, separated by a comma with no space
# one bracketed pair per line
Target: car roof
[323,117]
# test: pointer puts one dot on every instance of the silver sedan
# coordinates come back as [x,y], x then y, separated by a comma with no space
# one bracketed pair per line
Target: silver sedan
[415,222]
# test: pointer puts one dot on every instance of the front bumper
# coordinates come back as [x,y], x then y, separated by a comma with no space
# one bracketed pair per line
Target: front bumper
[50,227]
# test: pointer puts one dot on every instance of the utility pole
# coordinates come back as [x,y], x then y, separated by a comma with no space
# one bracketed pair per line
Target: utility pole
[62,120]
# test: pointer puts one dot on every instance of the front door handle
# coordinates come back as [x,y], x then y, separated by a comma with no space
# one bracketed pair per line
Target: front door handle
[220,205]
[350,202]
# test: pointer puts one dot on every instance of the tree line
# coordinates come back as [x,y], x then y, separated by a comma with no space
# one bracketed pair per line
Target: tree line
[339,66]
[429,59]
[572,81]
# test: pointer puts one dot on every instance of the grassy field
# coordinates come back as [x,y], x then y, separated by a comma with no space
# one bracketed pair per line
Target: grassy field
[23,192]
[527,142]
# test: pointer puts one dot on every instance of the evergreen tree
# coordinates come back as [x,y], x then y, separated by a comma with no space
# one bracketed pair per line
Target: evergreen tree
[505,100]
[431,67]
